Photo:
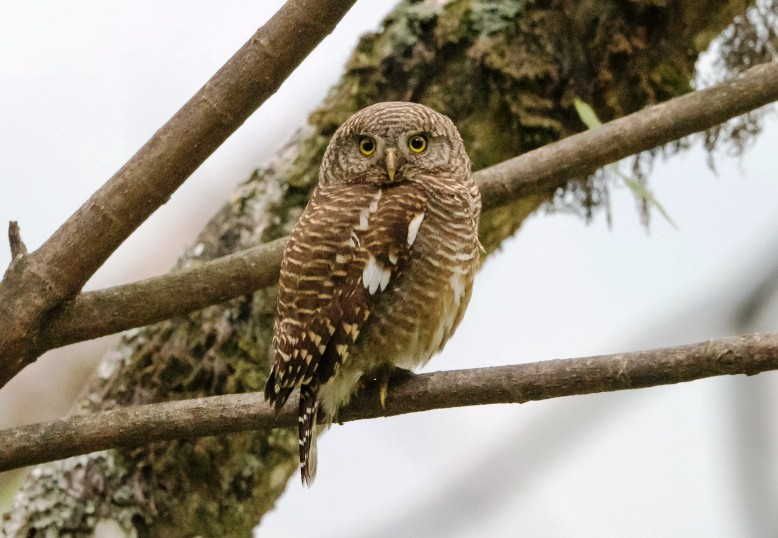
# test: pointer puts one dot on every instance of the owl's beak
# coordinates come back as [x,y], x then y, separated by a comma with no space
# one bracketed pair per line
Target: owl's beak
[390,161]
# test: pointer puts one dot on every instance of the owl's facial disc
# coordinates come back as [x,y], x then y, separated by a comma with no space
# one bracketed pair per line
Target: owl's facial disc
[394,142]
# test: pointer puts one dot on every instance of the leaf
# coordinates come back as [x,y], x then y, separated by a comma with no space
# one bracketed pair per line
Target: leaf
[586,113]
[589,118]
[640,190]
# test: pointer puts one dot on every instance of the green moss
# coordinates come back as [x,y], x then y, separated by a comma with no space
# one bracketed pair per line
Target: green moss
[304,171]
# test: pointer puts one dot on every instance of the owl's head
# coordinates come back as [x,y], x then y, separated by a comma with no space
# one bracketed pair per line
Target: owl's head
[391,142]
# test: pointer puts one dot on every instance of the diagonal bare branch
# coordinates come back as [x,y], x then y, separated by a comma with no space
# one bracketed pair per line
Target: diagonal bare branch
[94,314]
[61,266]
[135,426]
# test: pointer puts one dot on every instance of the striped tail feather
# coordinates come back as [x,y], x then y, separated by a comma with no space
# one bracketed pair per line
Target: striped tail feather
[275,393]
[307,419]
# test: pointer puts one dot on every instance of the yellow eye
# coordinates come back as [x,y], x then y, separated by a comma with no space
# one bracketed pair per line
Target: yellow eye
[366,146]
[417,143]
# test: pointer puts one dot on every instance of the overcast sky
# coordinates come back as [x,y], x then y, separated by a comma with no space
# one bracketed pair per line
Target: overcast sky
[84,84]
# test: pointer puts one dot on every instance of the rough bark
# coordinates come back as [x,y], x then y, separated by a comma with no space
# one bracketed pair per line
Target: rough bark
[507,73]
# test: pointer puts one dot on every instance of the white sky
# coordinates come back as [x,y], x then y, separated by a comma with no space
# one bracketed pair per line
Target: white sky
[84,84]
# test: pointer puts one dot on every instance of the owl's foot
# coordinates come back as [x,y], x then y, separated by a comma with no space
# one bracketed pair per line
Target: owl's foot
[384,376]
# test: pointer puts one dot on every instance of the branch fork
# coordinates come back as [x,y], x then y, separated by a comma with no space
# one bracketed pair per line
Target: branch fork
[18,248]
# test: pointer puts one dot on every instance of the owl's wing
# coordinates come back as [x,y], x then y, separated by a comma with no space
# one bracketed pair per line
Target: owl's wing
[351,243]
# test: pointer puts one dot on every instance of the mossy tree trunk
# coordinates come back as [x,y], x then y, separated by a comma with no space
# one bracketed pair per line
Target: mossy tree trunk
[506,72]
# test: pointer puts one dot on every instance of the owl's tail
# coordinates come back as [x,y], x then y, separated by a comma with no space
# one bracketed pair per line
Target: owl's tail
[275,393]
[307,419]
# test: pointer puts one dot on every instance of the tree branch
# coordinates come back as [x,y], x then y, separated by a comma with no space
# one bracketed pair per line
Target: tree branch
[577,156]
[135,426]
[73,253]
[94,314]
[121,307]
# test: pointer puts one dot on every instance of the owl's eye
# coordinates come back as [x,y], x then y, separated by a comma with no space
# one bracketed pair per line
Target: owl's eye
[367,146]
[417,143]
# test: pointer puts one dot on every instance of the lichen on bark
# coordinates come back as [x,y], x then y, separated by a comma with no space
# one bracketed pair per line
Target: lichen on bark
[507,73]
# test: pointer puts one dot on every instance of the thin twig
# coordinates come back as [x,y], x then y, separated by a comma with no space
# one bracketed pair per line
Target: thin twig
[18,248]
[59,268]
[102,312]
[136,426]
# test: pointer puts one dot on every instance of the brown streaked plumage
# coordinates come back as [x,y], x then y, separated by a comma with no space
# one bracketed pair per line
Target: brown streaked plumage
[379,269]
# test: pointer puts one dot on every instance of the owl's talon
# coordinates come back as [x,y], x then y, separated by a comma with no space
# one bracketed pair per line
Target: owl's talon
[383,377]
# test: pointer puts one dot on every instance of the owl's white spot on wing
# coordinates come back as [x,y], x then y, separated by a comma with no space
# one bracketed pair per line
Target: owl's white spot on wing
[364,214]
[457,282]
[375,275]
[413,227]
[374,201]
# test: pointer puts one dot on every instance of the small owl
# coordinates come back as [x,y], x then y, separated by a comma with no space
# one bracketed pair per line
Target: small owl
[378,271]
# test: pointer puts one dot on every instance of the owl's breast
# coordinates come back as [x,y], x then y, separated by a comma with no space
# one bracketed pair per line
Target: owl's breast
[424,306]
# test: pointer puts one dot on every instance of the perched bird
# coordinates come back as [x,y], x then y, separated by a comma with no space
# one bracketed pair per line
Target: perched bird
[378,271]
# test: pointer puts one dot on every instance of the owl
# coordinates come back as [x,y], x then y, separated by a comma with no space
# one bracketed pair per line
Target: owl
[379,268]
